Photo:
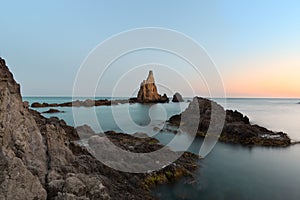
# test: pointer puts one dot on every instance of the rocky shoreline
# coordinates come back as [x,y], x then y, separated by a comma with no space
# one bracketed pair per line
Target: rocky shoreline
[237,128]
[81,165]
[42,158]
[147,94]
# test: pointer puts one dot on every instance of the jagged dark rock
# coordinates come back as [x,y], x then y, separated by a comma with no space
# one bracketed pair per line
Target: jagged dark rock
[148,91]
[177,97]
[237,128]
[41,158]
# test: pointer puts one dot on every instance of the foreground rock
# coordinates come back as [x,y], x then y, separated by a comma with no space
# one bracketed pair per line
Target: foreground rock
[237,128]
[40,158]
[177,98]
[23,162]
[148,92]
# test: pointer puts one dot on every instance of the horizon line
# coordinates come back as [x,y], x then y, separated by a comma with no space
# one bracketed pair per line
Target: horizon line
[98,96]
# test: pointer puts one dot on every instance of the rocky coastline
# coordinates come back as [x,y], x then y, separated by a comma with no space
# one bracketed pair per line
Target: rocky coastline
[237,127]
[42,158]
[146,94]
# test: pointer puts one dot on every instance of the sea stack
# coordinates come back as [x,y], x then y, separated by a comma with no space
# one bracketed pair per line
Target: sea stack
[148,91]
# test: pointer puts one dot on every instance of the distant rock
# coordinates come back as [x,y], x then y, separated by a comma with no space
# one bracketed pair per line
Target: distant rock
[237,128]
[148,91]
[177,97]
[41,105]
[51,110]
[85,103]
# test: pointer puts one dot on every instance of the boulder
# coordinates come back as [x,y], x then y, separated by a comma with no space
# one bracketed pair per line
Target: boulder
[177,97]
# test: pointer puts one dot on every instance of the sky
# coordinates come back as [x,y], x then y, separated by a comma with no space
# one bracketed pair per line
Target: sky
[255,45]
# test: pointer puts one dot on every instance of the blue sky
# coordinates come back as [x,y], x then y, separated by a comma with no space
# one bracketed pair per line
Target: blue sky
[255,44]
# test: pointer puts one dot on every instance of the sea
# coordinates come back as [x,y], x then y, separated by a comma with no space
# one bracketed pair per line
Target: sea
[232,172]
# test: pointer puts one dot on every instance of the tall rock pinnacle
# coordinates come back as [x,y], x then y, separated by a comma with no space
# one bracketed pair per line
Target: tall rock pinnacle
[148,91]
[150,78]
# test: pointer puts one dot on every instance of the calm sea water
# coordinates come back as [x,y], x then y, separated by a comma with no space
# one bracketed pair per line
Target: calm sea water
[229,171]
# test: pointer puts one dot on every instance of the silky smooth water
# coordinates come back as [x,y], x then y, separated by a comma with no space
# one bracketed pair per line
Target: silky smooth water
[229,171]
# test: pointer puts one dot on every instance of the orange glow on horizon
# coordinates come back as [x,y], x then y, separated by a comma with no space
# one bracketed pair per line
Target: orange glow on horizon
[277,76]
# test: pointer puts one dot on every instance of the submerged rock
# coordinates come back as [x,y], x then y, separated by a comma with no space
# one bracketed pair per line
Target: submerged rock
[177,97]
[237,128]
[148,91]
[51,110]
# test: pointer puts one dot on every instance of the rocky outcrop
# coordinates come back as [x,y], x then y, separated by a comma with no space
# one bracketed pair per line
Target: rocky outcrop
[85,103]
[237,128]
[41,158]
[148,92]
[177,98]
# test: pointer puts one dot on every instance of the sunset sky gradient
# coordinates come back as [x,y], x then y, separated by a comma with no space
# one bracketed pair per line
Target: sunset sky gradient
[255,44]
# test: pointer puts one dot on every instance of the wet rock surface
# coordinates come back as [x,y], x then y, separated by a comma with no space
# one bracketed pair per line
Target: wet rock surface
[42,158]
[237,128]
